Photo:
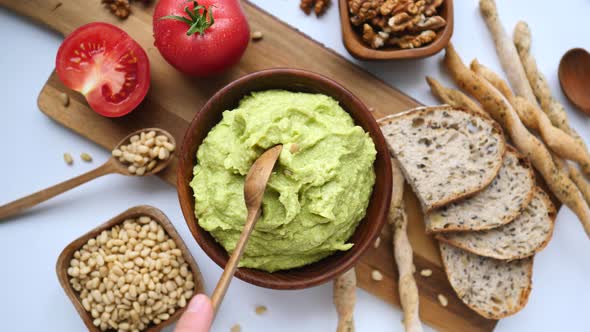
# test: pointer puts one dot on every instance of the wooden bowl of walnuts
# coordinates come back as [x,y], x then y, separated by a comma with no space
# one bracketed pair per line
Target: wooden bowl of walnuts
[133,272]
[395,29]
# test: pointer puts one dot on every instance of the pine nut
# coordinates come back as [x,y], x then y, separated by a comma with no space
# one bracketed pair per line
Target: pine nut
[131,274]
[376,275]
[86,157]
[257,35]
[377,242]
[65,99]
[443,300]
[426,272]
[68,158]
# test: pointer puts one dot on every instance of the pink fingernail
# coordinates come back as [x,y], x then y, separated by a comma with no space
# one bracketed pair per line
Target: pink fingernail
[198,303]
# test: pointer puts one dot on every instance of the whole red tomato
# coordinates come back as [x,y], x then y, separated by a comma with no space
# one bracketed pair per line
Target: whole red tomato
[201,38]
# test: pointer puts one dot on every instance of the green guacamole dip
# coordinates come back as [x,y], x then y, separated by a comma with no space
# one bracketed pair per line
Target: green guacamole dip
[315,197]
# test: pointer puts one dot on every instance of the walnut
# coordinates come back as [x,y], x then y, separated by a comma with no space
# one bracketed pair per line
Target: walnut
[429,23]
[404,21]
[432,6]
[363,10]
[318,6]
[413,41]
[400,23]
[119,8]
[374,39]
[380,22]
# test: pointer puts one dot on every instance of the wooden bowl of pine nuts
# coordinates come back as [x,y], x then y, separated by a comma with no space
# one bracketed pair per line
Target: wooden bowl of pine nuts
[133,272]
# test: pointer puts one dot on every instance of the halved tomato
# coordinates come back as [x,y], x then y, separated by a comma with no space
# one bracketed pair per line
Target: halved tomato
[107,66]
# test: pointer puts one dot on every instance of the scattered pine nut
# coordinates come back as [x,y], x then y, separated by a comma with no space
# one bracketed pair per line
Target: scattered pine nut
[257,35]
[426,273]
[236,328]
[443,300]
[376,275]
[86,157]
[65,99]
[261,309]
[68,158]
[377,242]
[371,109]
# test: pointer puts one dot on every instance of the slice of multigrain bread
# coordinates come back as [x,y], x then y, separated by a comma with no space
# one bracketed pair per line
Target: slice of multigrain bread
[493,288]
[498,204]
[528,234]
[446,153]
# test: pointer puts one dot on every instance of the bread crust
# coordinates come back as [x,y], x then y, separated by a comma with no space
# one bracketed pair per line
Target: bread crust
[427,109]
[523,298]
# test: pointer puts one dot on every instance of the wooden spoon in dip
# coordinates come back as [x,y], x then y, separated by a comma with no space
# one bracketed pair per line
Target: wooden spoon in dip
[574,77]
[113,165]
[254,188]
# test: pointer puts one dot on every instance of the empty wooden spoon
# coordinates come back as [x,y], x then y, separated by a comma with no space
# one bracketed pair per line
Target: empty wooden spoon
[113,165]
[254,188]
[574,77]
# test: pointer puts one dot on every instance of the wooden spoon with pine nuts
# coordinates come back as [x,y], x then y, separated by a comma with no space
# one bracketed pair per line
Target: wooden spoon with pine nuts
[118,163]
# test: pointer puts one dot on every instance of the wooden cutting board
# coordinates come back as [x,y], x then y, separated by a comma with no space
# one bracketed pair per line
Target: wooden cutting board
[174,99]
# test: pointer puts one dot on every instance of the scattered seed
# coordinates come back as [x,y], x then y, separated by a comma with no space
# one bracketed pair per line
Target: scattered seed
[377,242]
[260,310]
[443,300]
[257,35]
[86,157]
[376,275]
[65,99]
[68,158]
[236,328]
[371,109]
[426,272]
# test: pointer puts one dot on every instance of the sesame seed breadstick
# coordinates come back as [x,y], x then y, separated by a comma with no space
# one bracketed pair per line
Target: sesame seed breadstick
[402,250]
[452,97]
[554,110]
[560,143]
[506,51]
[500,109]
[344,300]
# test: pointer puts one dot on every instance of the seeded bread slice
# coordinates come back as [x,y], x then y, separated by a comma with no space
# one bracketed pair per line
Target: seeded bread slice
[445,153]
[493,288]
[528,234]
[498,204]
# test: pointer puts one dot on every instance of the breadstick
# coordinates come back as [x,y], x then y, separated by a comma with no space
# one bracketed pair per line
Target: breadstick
[581,182]
[506,51]
[344,300]
[500,109]
[558,141]
[554,110]
[402,250]
[452,97]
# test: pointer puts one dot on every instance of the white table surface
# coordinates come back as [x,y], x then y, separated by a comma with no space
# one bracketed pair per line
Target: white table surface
[31,154]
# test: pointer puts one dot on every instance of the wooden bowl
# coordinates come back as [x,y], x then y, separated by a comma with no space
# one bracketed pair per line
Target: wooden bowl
[63,262]
[299,81]
[357,48]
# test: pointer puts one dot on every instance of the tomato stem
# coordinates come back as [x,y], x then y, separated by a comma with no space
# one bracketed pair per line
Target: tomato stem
[196,20]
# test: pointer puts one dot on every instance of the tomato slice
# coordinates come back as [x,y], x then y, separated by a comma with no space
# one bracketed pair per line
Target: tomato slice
[107,66]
